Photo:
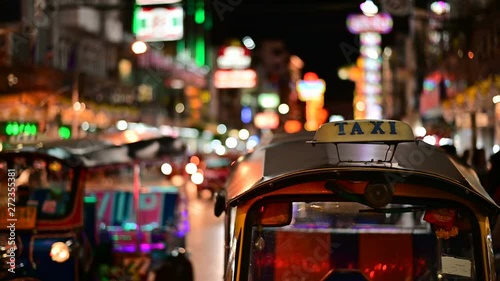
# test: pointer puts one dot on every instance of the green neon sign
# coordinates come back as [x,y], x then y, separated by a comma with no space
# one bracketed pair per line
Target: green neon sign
[14,128]
[199,15]
[64,132]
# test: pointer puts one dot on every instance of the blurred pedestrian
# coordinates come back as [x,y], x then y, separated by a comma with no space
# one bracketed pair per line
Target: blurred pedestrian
[493,188]
[480,165]
[493,177]
[103,254]
[450,149]
[176,267]
[466,157]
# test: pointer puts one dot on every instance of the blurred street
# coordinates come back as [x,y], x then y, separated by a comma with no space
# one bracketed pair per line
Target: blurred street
[108,108]
[205,242]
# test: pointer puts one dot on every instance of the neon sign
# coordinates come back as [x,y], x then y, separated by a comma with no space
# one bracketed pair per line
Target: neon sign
[268,100]
[224,79]
[311,88]
[19,128]
[267,120]
[158,24]
[368,102]
[380,23]
[234,57]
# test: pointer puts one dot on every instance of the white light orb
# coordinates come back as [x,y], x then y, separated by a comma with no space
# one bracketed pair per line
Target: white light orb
[122,125]
[166,169]
[139,47]
[420,132]
[243,134]
[221,150]
[191,168]
[283,108]
[430,140]
[231,142]
[197,178]
[221,129]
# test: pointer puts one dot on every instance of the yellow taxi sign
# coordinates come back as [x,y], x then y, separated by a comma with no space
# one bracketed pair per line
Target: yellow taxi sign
[364,131]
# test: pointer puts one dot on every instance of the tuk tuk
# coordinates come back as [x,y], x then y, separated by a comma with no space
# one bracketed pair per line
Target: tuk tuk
[42,234]
[140,207]
[355,200]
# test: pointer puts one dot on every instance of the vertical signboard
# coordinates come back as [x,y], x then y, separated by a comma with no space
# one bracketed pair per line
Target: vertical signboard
[152,24]
[368,100]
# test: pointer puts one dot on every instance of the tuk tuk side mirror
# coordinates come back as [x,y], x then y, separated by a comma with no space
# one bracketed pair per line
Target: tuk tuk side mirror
[276,214]
[220,204]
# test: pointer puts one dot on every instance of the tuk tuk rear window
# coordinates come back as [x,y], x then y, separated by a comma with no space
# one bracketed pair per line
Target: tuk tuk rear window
[346,238]
[43,183]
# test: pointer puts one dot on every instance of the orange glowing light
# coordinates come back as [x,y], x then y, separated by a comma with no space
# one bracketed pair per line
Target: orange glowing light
[195,160]
[471,55]
[292,126]
[310,76]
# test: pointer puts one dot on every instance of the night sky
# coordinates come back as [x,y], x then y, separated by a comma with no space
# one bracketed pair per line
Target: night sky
[313,30]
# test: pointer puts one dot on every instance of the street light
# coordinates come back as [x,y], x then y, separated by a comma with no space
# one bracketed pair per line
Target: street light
[139,47]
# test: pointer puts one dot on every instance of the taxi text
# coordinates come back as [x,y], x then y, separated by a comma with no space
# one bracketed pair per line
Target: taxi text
[378,127]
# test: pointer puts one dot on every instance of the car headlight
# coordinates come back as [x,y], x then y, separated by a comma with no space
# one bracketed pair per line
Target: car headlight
[59,252]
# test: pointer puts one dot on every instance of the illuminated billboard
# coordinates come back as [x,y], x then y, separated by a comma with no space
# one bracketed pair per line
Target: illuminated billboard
[267,120]
[380,23]
[13,128]
[311,88]
[234,57]
[153,24]
[368,99]
[244,78]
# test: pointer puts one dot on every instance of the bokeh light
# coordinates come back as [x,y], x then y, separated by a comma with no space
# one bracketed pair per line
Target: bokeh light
[166,169]
[231,142]
[221,129]
[283,108]
[243,134]
[139,47]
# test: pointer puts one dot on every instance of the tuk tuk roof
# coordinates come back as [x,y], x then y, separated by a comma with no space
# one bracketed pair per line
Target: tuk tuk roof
[296,154]
[101,152]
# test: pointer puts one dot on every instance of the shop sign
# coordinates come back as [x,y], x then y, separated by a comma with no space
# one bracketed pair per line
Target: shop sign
[158,24]
[224,79]
[381,23]
[311,88]
[13,128]
[234,57]
[159,62]
[266,120]
[268,100]
[292,126]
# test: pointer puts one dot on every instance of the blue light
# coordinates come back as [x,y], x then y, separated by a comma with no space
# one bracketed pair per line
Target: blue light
[254,138]
[246,115]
